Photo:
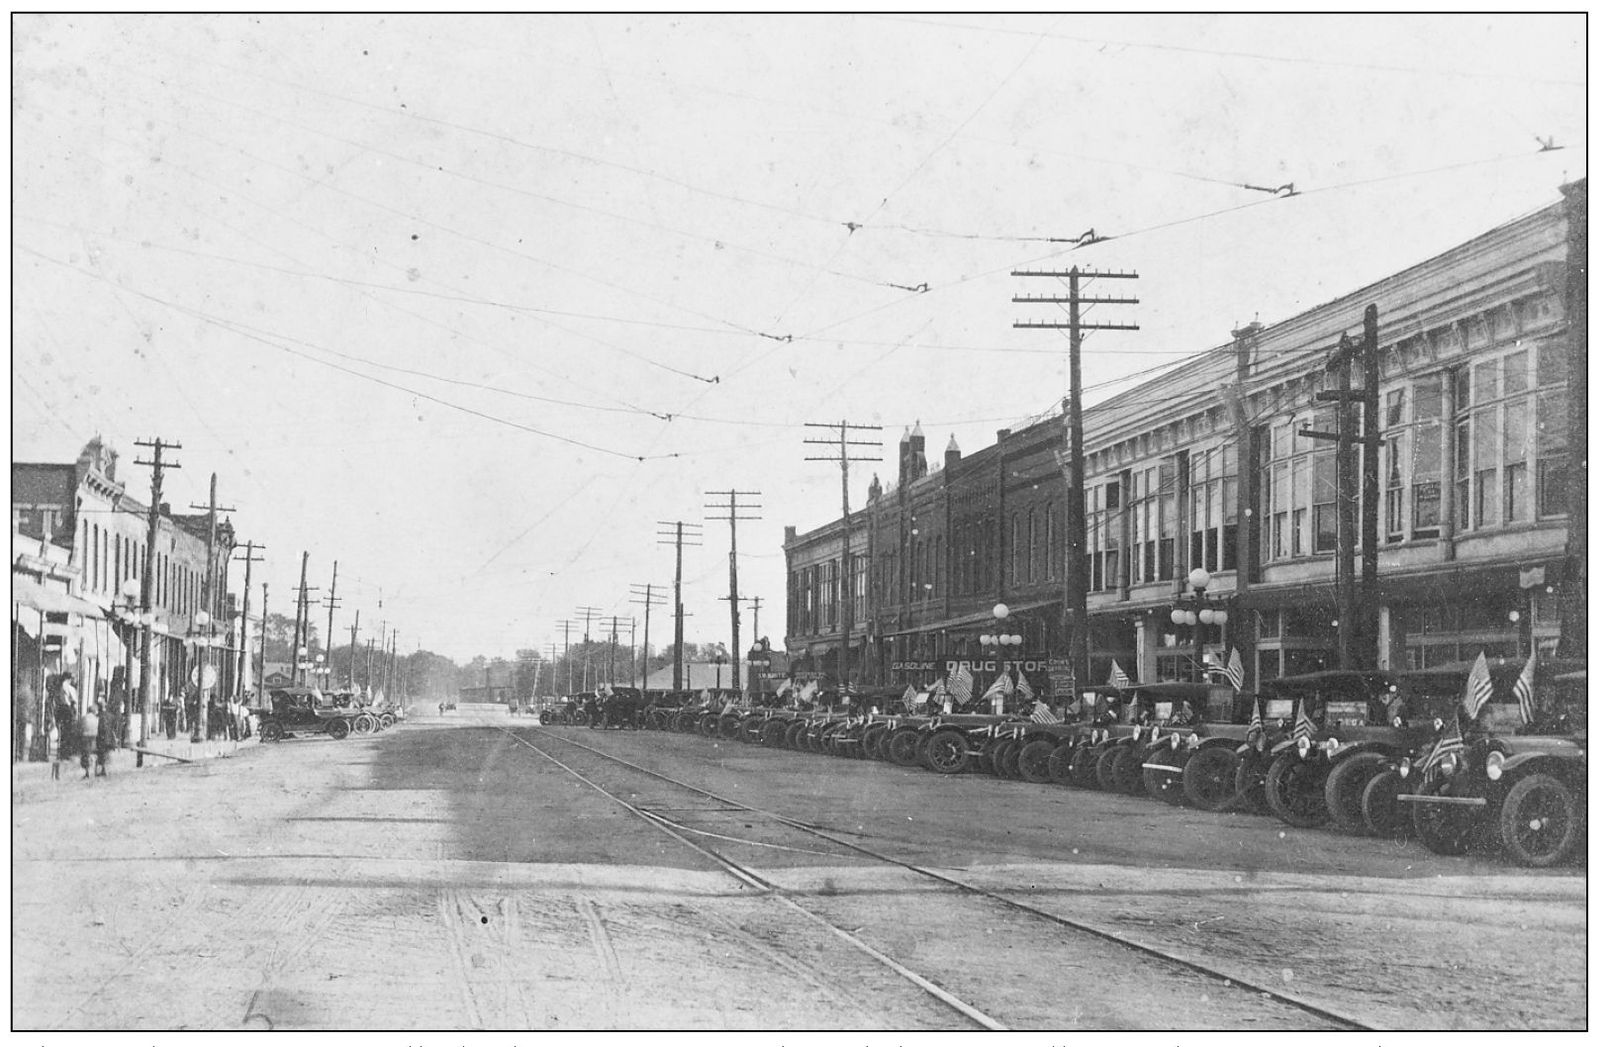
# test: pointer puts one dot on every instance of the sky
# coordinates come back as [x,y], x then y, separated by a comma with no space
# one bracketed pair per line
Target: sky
[470,303]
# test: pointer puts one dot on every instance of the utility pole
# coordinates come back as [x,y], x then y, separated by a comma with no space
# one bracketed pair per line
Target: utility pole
[209,599]
[147,575]
[645,592]
[369,667]
[262,649]
[352,653]
[685,534]
[1074,583]
[846,563]
[732,507]
[615,625]
[330,603]
[588,614]
[570,670]
[1355,646]
[245,616]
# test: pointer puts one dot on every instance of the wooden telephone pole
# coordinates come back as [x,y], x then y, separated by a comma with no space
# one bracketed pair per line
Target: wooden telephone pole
[209,600]
[245,617]
[1074,583]
[846,561]
[732,508]
[645,592]
[147,574]
[684,534]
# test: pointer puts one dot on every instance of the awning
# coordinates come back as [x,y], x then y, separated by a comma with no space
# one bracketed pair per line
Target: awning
[30,593]
[975,620]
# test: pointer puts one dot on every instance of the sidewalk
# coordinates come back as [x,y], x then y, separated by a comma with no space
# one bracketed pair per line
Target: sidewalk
[32,781]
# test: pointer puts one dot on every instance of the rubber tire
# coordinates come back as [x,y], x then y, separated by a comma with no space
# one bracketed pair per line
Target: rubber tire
[775,734]
[1295,790]
[945,752]
[709,725]
[1384,816]
[339,729]
[1249,785]
[1059,764]
[271,731]
[364,724]
[1209,780]
[1003,761]
[905,747]
[1449,830]
[1127,774]
[1034,761]
[796,729]
[1083,764]
[1344,790]
[749,729]
[1162,786]
[730,727]
[685,723]
[1516,817]
[1104,764]
[387,721]
[872,741]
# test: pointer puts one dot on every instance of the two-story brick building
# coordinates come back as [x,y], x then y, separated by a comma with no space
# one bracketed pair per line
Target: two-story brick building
[1481,365]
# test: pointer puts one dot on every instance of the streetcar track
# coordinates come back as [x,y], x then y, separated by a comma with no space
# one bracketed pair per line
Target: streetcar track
[827,834]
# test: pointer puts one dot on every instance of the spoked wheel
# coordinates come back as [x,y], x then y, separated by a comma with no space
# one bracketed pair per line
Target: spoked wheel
[1104,769]
[749,728]
[1059,765]
[1209,779]
[387,721]
[710,725]
[1127,774]
[685,723]
[1167,786]
[1539,821]
[1295,790]
[339,729]
[364,724]
[272,731]
[1083,767]
[1445,828]
[1249,786]
[1034,761]
[1344,790]
[1384,815]
[945,752]
[872,742]
[774,734]
[729,727]
[545,717]
[905,747]
[791,738]
[1004,759]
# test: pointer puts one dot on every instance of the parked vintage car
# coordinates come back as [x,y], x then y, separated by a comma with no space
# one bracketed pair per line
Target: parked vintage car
[1520,783]
[303,710]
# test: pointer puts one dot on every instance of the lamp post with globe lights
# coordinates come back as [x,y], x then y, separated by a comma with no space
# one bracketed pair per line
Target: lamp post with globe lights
[1199,612]
[206,675]
[130,591]
[1002,640]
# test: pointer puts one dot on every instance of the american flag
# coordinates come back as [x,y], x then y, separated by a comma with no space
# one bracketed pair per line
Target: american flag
[1233,670]
[1117,677]
[1042,713]
[1304,727]
[783,687]
[959,684]
[1255,727]
[910,698]
[1523,690]
[1134,709]
[1001,688]
[809,692]
[1449,742]
[1024,691]
[1478,687]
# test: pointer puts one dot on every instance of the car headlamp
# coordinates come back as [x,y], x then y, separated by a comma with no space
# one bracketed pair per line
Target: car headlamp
[1262,742]
[1330,746]
[1136,735]
[1448,765]
[1193,741]
[1397,721]
[1303,745]
[1495,765]
[1404,767]
[1437,723]
[1174,740]
[1155,733]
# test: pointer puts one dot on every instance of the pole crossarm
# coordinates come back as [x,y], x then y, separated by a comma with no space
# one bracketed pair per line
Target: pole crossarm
[1051,326]
[1051,299]
[1083,274]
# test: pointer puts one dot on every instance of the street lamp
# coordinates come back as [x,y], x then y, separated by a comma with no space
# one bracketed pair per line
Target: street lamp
[720,660]
[1199,612]
[203,621]
[1002,641]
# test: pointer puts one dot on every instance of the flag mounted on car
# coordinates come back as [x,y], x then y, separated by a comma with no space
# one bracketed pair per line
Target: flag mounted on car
[1255,726]
[959,684]
[1450,743]
[1233,671]
[1523,690]
[1042,713]
[910,698]
[1478,686]
[1024,690]
[1304,727]
[1117,677]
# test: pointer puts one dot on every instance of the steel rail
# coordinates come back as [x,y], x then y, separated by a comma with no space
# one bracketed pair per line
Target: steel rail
[751,878]
[825,833]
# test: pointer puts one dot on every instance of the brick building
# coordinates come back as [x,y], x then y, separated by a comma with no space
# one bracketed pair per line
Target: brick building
[1481,524]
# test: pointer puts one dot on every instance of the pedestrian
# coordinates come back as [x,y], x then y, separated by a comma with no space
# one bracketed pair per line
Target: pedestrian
[105,740]
[170,715]
[89,732]
[23,716]
[65,717]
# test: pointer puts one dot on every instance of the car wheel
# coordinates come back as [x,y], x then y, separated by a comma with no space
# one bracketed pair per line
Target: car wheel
[1209,779]
[271,731]
[905,747]
[1084,761]
[774,734]
[1167,786]
[945,752]
[364,724]
[339,729]
[1344,790]
[1034,761]
[1445,828]
[1003,761]
[1538,823]
[729,727]
[1059,765]
[1384,815]
[1104,769]
[1249,783]
[872,742]
[387,721]
[1295,790]
[1127,773]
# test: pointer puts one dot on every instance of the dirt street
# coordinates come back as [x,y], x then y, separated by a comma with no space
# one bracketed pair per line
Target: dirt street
[447,874]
